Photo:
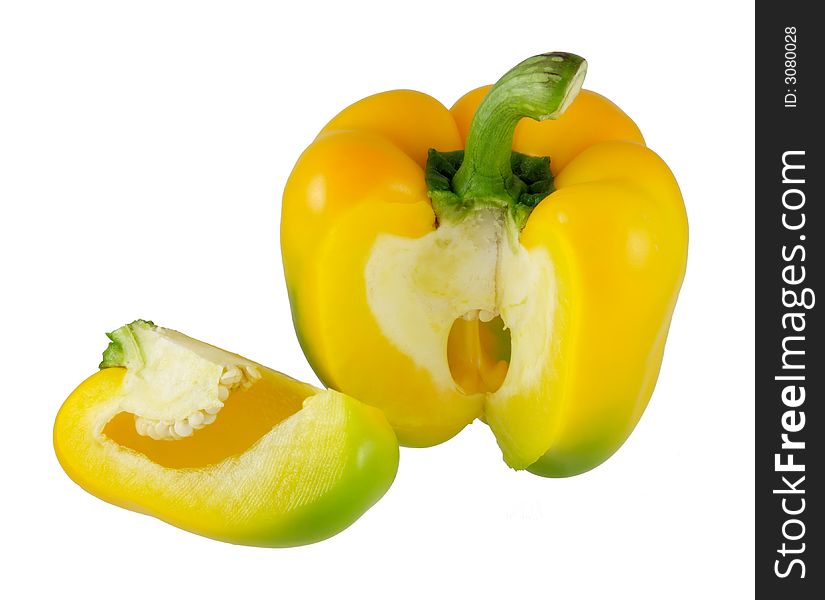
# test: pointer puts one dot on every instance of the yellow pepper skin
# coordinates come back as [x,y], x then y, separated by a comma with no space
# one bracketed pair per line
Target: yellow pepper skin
[284,464]
[349,187]
[604,233]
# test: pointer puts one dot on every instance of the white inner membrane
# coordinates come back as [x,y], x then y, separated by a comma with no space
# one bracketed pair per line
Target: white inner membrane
[417,288]
[181,385]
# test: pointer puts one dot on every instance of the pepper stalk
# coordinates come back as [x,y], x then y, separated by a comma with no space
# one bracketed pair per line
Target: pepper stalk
[488,174]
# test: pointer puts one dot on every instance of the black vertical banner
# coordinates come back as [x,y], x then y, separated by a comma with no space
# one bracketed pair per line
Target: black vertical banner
[790,370]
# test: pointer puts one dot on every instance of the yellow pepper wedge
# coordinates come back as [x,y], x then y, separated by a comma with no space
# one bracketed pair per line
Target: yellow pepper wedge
[444,285]
[221,446]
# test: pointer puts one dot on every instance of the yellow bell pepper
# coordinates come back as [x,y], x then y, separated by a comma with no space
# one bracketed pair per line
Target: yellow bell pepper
[220,446]
[446,285]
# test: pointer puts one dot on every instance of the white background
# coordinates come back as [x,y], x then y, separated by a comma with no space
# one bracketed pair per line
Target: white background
[143,150]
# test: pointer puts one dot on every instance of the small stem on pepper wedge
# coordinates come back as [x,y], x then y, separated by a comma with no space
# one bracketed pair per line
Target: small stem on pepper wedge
[490,173]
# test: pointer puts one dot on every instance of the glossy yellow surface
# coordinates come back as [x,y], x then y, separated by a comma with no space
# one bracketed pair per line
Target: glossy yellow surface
[284,464]
[615,230]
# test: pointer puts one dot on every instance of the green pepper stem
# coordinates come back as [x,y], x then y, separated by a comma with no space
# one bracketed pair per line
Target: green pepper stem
[541,87]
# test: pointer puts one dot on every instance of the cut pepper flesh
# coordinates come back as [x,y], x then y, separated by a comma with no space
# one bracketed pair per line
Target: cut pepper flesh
[283,463]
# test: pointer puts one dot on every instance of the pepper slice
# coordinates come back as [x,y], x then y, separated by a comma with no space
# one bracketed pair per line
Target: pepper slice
[219,445]
[528,279]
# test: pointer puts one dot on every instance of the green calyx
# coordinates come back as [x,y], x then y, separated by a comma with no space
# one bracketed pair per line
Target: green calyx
[488,173]
[531,172]
[123,349]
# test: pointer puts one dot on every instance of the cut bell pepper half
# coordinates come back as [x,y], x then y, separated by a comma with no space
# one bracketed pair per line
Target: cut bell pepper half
[219,445]
[515,259]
